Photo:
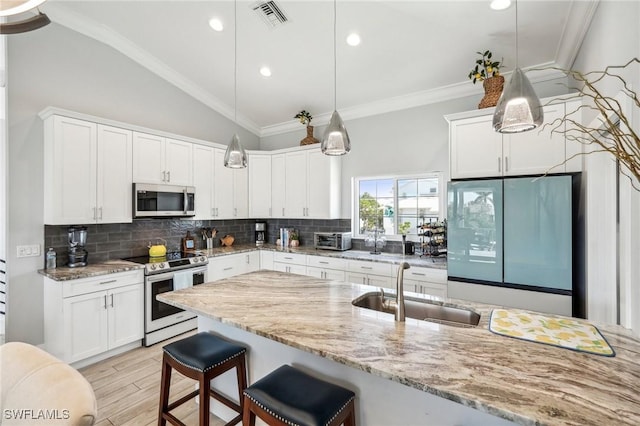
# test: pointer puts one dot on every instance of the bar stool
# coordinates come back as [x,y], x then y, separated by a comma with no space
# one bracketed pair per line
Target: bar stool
[289,397]
[201,357]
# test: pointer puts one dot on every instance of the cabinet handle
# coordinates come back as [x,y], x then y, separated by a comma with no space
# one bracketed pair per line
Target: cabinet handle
[499,164]
[235,211]
[100,213]
[506,164]
[248,261]
[323,262]
[228,268]
[105,301]
[112,300]
[94,214]
[108,282]
[283,212]
[366,267]
[212,210]
[169,176]
[288,258]
[164,176]
[418,273]
[269,211]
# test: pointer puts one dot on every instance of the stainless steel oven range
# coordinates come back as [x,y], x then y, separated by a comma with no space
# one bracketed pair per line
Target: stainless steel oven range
[163,274]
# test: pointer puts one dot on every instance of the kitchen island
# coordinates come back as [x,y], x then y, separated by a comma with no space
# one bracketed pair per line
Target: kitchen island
[416,372]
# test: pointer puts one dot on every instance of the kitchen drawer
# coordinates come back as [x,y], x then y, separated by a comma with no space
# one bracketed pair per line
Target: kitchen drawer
[431,289]
[293,258]
[101,283]
[426,274]
[327,262]
[290,268]
[325,274]
[385,269]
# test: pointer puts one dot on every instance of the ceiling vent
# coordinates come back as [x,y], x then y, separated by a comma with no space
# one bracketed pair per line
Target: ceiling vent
[270,13]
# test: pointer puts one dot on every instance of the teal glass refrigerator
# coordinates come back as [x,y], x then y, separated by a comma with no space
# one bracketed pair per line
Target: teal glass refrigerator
[516,232]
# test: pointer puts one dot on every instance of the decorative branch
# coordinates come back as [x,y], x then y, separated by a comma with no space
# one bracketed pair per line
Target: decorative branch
[615,135]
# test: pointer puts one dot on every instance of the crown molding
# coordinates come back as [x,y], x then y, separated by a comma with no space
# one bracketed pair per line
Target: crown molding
[574,31]
[64,16]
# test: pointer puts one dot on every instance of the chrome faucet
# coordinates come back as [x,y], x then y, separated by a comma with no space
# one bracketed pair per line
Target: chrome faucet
[400,292]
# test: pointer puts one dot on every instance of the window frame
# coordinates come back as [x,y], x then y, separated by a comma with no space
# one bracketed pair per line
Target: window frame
[355,200]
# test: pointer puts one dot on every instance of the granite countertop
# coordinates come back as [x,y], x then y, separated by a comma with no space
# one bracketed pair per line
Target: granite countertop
[65,273]
[113,266]
[413,260]
[526,382]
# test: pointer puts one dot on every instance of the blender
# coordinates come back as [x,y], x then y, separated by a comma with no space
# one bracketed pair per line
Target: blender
[77,242]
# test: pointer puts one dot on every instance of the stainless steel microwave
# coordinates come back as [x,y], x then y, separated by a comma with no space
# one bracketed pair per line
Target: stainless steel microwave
[152,200]
[332,240]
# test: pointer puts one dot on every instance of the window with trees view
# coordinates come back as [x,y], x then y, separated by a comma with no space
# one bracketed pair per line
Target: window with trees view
[392,205]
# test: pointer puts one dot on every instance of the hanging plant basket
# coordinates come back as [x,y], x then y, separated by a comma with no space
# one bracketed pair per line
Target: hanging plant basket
[492,90]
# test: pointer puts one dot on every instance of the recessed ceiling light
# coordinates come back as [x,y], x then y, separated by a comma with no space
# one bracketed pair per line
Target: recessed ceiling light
[265,71]
[216,24]
[500,4]
[353,39]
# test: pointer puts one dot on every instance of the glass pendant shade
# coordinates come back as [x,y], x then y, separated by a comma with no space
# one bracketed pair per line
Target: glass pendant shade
[518,108]
[335,140]
[235,157]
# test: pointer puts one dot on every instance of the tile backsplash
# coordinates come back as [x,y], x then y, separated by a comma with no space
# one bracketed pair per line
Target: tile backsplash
[120,240]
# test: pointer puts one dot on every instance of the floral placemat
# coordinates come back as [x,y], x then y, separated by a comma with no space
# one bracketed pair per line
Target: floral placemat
[563,332]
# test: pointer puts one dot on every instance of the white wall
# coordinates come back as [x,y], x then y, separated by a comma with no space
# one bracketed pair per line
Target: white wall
[56,66]
[414,140]
[603,46]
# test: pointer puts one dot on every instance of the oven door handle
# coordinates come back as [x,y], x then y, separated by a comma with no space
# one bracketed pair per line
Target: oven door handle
[160,277]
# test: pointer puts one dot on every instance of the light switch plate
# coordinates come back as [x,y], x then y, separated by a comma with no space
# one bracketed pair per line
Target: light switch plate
[29,251]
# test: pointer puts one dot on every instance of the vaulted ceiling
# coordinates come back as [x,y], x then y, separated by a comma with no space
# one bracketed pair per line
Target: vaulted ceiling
[412,52]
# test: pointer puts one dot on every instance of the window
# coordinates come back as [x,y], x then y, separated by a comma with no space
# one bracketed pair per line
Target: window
[391,204]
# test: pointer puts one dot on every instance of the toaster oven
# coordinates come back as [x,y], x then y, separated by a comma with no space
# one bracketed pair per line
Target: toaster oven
[332,240]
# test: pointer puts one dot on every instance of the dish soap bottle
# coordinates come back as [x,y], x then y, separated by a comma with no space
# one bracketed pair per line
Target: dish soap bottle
[51,259]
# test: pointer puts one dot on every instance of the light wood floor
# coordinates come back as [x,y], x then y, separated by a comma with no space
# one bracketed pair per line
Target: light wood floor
[127,388]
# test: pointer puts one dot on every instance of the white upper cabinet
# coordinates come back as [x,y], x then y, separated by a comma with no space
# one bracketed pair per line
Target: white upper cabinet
[87,172]
[476,150]
[259,169]
[305,184]
[203,175]
[161,160]
[230,189]
[114,183]
[278,180]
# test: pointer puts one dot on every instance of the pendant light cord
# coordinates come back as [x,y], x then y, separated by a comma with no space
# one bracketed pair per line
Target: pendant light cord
[516,33]
[335,60]
[235,63]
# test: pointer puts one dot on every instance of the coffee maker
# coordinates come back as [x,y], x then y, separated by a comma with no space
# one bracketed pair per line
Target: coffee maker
[261,233]
[77,242]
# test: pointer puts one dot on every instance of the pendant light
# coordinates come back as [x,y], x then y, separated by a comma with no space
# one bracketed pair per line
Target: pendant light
[335,140]
[30,24]
[235,157]
[518,108]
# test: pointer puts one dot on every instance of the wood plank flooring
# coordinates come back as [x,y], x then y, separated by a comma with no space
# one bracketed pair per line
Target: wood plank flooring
[127,388]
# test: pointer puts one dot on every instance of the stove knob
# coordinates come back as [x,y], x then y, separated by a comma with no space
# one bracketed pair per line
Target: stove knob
[161,265]
[153,267]
[202,258]
[196,259]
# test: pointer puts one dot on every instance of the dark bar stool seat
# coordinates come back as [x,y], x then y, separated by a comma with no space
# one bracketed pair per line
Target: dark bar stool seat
[201,357]
[288,396]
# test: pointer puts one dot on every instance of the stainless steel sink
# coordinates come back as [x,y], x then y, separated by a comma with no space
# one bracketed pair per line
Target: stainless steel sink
[420,309]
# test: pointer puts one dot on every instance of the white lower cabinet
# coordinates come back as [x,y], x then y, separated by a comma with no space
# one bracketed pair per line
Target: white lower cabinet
[232,264]
[266,260]
[90,316]
[328,268]
[426,281]
[371,273]
[293,263]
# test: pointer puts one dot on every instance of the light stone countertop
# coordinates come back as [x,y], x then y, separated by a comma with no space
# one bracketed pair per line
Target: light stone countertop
[526,382]
[64,273]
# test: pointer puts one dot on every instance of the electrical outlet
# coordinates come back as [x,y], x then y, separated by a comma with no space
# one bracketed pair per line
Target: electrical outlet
[29,251]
